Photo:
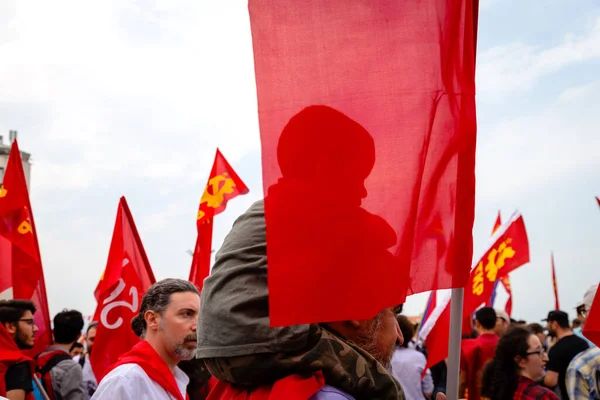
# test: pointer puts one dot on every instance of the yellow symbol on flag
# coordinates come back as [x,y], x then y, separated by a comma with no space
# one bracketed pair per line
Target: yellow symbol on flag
[3,191]
[497,258]
[478,279]
[221,185]
[25,227]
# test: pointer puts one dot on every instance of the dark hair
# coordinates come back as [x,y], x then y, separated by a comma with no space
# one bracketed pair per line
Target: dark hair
[75,345]
[576,322]
[68,325]
[501,375]
[407,328]
[486,316]
[11,311]
[157,299]
[93,324]
[536,328]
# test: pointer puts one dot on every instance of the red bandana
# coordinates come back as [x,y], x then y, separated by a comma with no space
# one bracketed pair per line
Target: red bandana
[153,365]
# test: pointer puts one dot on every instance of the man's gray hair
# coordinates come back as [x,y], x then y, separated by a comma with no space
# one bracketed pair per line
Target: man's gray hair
[157,299]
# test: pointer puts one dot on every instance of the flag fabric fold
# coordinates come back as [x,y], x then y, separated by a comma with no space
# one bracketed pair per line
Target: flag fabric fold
[367,124]
[21,271]
[223,185]
[119,293]
[554,284]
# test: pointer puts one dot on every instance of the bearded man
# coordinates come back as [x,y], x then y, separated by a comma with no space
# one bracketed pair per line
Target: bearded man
[167,324]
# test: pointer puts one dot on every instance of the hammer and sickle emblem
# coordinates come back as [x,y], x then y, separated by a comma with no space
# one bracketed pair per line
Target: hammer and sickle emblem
[3,191]
[220,185]
[25,227]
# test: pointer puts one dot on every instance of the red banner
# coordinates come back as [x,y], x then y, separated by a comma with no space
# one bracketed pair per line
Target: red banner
[509,250]
[497,224]
[119,293]
[21,272]
[223,185]
[367,123]
[591,330]
[554,285]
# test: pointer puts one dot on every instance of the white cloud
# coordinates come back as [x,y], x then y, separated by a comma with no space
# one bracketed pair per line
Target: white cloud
[505,69]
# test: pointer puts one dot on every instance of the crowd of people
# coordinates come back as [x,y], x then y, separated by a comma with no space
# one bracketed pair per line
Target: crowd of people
[219,345]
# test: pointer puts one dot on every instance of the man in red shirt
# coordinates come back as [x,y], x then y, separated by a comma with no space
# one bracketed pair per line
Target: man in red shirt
[476,353]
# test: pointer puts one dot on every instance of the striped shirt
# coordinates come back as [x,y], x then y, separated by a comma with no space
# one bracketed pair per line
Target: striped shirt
[581,375]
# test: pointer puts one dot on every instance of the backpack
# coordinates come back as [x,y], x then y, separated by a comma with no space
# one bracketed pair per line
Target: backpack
[45,363]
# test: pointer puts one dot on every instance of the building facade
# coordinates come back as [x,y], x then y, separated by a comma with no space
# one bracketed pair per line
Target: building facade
[5,144]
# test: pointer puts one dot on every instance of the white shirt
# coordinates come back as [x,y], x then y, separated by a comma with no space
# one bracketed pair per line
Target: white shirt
[407,367]
[129,381]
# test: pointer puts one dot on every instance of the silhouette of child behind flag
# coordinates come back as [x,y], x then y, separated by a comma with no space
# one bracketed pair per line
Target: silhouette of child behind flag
[319,237]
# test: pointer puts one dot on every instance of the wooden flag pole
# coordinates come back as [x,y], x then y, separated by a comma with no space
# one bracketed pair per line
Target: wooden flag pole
[40,387]
[456,312]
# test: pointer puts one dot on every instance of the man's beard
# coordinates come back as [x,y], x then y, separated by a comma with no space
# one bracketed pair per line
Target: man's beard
[184,352]
[21,340]
[368,342]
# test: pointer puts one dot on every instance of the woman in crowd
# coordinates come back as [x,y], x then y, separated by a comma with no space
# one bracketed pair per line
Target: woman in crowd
[517,366]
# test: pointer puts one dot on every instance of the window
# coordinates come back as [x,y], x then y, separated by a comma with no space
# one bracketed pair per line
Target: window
[1,175]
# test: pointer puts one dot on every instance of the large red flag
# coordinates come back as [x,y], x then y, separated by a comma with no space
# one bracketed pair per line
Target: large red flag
[591,330]
[554,285]
[21,272]
[367,123]
[223,185]
[509,250]
[119,293]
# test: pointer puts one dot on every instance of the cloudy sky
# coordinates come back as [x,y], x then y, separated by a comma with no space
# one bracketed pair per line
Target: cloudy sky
[131,98]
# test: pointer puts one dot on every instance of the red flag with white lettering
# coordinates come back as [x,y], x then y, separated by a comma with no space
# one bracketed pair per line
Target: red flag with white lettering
[509,250]
[21,272]
[119,293]
[367,123]
[223,185]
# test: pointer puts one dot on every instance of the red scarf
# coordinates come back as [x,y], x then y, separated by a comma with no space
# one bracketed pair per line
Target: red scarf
[293,387]
[153,365]
[9,355]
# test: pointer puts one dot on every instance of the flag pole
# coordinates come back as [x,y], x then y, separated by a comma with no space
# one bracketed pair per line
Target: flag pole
[456,312]
[40,387]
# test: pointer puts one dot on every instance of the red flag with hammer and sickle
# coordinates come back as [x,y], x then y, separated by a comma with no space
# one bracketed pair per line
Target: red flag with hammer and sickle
[119,293]
[21,272]
[223,185]
[508,251]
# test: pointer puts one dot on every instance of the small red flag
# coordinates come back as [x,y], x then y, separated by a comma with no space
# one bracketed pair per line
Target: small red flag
[21,272]
[598,200]
[119,293]
[497,224]
[555,286]
[505,280]
[509,250]
[223,185]
[506,283]
[591,330]
[367,124]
